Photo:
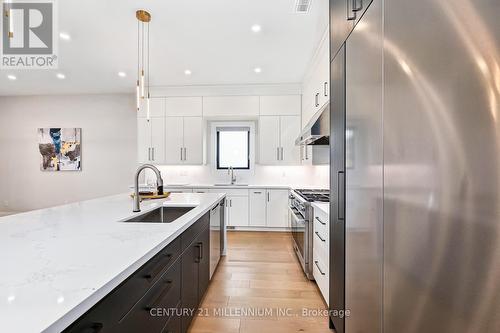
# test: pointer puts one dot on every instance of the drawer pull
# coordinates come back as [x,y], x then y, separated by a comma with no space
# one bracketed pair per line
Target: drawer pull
[200,251]
[159,268]
[166,289]
[319,269]
[317,219]
[323,240]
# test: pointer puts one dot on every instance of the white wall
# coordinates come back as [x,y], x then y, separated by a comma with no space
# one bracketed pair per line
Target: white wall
[109,155]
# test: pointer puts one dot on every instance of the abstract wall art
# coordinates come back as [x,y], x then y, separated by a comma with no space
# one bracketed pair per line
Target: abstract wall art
[60,149]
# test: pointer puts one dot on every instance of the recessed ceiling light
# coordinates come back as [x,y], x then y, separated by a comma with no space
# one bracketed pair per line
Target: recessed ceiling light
[61,76]
[256,28]
[257,69]
[187,72]
[64,36]
[11,77]
[122,74]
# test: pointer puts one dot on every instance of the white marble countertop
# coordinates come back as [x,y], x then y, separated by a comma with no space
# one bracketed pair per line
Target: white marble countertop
[323,206]
[58,262]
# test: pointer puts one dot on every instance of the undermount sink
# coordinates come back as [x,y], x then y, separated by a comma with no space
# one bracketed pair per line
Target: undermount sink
[161,215]
[229,184]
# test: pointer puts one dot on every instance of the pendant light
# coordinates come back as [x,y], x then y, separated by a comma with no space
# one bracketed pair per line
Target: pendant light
[142,86]
[8,16]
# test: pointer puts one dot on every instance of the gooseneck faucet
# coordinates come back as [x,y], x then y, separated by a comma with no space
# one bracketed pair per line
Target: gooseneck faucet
[159,184]
[230,171]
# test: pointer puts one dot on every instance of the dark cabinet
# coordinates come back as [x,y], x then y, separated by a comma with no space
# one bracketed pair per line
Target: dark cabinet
[150,300]
[344,15]
[195,273]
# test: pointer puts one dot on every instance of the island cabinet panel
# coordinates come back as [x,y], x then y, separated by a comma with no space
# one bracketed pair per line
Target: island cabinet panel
[195,275]
[176,277]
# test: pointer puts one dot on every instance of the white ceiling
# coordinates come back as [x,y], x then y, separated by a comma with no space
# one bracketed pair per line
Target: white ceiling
[213,39]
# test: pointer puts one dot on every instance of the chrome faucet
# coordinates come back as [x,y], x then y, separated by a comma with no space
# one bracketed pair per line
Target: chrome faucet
[230,170]
[159,184]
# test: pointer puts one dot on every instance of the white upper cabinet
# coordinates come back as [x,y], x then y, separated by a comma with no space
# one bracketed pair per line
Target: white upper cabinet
[183,140]
[156,108]
[289,130]
[277,212]
[143,140]
[280,105]
[174,140]
[193,140]
[230,106]
[277,136]
[151,140]
[269,140]
[316,86]
[183,106]
[157,140]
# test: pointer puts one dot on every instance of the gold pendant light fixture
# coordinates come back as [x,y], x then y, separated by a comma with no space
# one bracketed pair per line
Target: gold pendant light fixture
[142,88]
[8,16]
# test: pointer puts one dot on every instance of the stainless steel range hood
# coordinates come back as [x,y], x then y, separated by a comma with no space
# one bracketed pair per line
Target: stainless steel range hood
[317,131]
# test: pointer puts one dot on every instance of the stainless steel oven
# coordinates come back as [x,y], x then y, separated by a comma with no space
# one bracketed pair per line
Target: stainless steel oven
[301,225]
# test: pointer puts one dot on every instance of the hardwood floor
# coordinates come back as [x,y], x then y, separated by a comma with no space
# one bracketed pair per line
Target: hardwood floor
[260,287]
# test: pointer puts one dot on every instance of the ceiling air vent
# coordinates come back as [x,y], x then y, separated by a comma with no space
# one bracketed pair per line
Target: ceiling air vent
[302,6]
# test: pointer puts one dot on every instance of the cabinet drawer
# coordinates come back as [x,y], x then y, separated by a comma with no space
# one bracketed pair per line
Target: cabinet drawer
[116,304]
[321,251]
[165,295]
[194,230]
[320,273]
[174,323]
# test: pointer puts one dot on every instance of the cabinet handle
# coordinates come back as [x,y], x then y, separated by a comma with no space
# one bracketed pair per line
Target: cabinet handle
[282,154]
[307,152]
[323,240]
[277,153]
[160,297]
[199,245]
[153,153]
[316,100]
[181,153]
[185,154]
[267,196]
[257,192]
[95,328]
[317,219]
[340,195]
[157,270]
[351,3]
[319,269]
[149,154]
[325,89]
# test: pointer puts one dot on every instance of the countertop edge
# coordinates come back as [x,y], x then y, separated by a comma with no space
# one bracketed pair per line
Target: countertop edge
[71,316]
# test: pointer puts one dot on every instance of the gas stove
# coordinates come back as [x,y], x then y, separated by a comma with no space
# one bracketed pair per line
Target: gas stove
[311,195]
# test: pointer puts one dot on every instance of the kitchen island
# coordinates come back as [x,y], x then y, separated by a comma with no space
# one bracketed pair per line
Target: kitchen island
[57,263]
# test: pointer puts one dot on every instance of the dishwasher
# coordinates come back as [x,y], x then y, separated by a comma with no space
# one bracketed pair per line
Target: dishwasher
[217,231]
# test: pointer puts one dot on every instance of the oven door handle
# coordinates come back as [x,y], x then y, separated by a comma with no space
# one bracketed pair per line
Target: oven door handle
[294,216]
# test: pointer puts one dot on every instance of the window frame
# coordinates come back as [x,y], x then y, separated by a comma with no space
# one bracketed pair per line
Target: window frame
[217,151]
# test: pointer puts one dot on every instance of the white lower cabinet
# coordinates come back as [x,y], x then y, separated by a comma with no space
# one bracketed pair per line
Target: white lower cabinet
[277,208]
[321,252]
[237,211]
[257,208]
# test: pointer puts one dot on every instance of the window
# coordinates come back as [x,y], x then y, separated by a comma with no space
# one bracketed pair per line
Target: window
[233,147]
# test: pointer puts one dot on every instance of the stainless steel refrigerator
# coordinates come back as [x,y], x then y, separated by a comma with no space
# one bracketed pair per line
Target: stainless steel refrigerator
[416,167]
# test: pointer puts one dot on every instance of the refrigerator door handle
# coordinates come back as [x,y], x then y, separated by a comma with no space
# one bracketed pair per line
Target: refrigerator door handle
[341,195]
